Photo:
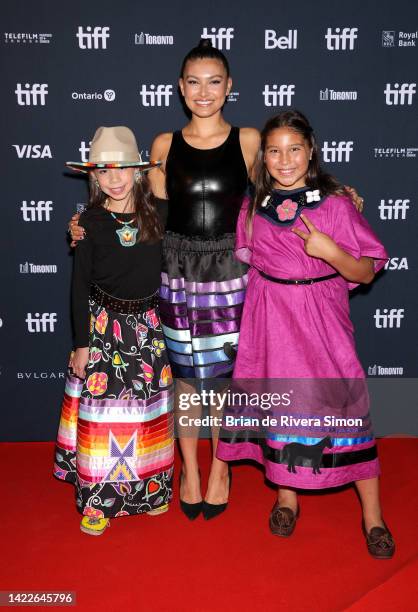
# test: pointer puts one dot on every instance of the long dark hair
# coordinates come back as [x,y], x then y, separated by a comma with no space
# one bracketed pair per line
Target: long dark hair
[204,50]
[316,177]
[145,210]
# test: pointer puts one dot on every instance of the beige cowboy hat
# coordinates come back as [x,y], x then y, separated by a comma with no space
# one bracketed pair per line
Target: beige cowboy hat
[113,147]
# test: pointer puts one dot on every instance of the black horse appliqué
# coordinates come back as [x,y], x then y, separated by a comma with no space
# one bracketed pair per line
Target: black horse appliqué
[295,451]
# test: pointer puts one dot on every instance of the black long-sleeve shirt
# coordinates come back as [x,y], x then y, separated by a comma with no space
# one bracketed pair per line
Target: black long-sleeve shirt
[125,272]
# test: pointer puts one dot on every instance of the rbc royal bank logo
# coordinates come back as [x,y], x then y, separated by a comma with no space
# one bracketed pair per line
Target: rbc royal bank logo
[273,41]
[393,210]
[36,211]
[341,39]
[278,95]
[93,38]
[337,151]
[41,323]
[389,318]
[31,95]
[219,36]
[400,94]
[156,95]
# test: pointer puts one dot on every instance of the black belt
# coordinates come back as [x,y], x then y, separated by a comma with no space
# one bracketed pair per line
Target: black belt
[101,298]
[302,281]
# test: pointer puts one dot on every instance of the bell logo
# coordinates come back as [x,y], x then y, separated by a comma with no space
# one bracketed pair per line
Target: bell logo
[43,323]
[272,41]
[389,318]
[341,40]
[93,38]
[156,95]
[400,94]
[393,210]
[337,151]
[276,95]
[36,211]
[218,36]
[31,95]
[33,151]
[397,263]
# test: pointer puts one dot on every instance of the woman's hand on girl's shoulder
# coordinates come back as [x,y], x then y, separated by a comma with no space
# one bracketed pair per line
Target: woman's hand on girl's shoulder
[159,152]
[357,200]
[250,145]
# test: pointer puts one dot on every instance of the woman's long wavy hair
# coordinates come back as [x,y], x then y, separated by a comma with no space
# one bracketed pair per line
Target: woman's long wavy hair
[145,210]
[316,177]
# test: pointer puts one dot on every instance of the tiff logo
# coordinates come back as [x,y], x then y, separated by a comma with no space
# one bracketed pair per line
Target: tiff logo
[36,211]
[31,95]
[337,151]
[393,210]
[278,96]
[389,318]
[156,95]
[399,94]
[272,41]
[218,36]
[341,40]
[44,322]
[93,38]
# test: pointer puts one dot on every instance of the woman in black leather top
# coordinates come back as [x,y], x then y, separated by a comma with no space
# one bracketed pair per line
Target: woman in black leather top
[204,175]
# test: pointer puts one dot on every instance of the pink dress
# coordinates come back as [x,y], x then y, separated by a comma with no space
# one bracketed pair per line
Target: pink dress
[296,332]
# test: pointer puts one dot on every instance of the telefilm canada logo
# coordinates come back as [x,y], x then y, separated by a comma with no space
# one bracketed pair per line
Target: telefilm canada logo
[93,37]
[37,38]
[341,39]
[233,96]
[153,39]
[31,268]
[332,95]
[275,40]
[391,38]
[220,37]
[108,95]
[395,152]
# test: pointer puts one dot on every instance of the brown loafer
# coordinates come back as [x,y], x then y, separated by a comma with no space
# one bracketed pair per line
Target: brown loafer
[380,543]
[282,520]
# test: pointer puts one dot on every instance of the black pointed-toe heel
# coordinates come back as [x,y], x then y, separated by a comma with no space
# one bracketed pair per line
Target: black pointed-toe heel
[210,511]
[192,511]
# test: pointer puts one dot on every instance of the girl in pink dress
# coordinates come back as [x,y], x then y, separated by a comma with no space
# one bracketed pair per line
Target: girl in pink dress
[307,246]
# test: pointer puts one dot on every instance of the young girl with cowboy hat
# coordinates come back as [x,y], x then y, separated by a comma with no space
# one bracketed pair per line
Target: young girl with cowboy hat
[115,439]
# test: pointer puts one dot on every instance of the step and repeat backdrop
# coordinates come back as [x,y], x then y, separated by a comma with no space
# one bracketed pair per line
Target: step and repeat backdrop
[67,68]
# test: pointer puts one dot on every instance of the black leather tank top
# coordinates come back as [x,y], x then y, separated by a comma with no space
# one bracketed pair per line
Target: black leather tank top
[205,188]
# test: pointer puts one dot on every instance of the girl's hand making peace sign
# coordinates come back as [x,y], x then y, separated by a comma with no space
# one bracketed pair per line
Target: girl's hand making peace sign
[317,244]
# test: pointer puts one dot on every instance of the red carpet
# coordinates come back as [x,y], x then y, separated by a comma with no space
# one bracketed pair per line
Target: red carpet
[232,563]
